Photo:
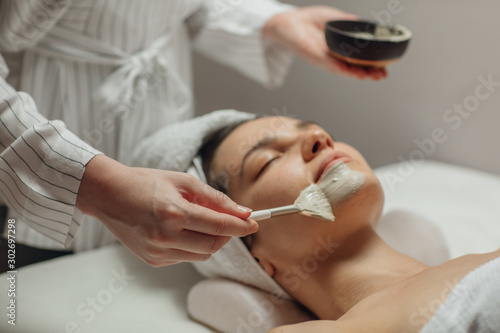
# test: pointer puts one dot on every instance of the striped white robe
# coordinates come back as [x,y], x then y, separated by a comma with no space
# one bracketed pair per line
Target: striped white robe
[99,76]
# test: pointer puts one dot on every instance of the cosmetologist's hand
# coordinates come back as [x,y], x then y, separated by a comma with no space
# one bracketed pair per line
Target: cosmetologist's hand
[301,30]
[163,217]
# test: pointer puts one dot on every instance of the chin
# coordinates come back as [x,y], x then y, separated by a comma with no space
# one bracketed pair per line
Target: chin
[365,206]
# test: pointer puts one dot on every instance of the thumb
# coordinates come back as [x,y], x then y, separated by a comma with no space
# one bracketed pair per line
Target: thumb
[204,195]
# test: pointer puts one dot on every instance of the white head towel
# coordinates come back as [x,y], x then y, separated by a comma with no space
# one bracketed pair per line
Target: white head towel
[175,148]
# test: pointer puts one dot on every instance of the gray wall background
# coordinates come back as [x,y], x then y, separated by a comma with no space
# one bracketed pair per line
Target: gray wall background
[455,42]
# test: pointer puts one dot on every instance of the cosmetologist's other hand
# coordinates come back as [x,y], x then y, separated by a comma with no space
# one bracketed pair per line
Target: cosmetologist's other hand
[301,30]
[163,217]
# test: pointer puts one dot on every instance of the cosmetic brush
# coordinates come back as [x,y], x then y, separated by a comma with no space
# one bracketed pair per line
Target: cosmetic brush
[337,184]
[311,201]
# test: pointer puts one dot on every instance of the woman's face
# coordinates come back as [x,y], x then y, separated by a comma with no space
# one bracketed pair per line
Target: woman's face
[269,161]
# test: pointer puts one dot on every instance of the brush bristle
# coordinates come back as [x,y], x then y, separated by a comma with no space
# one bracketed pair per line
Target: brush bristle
[313,202]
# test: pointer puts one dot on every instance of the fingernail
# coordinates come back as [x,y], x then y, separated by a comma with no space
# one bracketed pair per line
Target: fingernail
[243,208]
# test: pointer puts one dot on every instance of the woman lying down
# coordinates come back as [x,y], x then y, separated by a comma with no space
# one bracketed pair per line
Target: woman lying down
[359,284]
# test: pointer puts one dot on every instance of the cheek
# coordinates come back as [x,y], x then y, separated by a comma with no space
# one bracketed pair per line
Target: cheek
[278,187]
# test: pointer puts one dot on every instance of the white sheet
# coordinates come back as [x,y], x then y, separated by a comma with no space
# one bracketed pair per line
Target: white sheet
[464,202]
[55,296]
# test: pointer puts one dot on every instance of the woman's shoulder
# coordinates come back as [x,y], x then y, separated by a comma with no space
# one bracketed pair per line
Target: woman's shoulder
[409,305]
[405,307]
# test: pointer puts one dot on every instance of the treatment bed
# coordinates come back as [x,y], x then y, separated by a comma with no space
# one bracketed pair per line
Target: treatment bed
[110,290]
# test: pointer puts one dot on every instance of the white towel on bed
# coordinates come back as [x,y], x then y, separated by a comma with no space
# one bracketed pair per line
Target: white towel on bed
[229,306]
[473,306]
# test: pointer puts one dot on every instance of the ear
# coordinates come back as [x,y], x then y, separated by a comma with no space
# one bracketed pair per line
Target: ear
[266,265]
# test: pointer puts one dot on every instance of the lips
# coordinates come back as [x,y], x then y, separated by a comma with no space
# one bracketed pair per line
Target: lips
[329,161]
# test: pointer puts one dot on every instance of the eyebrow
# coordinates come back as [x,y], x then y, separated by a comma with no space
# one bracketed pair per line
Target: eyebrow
[263,143]
[303,124]
[267,141]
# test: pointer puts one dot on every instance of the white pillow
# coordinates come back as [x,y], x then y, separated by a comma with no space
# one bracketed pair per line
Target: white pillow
[229,306]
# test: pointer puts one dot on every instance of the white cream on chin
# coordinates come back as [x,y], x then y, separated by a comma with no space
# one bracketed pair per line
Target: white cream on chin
[339,183]
[312,201]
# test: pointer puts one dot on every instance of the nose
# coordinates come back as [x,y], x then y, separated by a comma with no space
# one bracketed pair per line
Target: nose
[314,142]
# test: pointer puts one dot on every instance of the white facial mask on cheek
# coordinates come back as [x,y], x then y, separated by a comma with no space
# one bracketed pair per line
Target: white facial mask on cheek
[340,183]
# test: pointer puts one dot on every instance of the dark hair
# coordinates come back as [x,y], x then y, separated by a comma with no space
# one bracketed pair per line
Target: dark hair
[207,153]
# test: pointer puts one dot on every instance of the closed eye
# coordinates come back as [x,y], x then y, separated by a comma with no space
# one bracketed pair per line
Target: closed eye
[264,167]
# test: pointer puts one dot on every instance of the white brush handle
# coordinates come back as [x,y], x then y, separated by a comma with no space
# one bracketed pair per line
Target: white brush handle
[273,212]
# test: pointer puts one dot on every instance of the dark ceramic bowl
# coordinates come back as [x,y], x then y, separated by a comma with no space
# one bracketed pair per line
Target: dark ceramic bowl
[366,43]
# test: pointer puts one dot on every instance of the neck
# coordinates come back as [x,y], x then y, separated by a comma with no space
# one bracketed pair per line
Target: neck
[360,266]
